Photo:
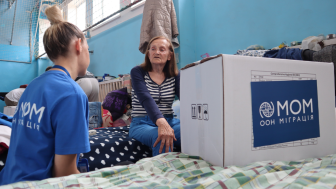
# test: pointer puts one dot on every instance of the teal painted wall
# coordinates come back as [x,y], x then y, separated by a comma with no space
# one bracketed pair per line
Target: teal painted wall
[116,50]
[226,26]
[42,64]
[12,75]
[185,11]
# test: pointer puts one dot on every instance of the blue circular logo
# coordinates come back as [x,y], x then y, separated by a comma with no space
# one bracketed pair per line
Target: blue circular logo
[266,109]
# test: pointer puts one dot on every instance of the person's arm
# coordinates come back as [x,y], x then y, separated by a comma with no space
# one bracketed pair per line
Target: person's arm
[65,165]
[165,135]
[69,119]
[144,97]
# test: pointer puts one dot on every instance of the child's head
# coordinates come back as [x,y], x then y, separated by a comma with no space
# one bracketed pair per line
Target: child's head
[63,39]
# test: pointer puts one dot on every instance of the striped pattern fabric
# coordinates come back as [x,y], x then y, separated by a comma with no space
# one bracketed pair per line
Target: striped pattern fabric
[163,96]
[177,170]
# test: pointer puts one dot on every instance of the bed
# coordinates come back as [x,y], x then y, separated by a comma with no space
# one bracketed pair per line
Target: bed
[112,145]
[178,170]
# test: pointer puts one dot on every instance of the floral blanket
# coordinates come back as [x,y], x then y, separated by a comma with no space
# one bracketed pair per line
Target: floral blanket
[177,170]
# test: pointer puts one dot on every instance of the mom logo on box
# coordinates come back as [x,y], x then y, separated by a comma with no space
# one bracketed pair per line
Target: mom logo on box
[266,109]
[284,111]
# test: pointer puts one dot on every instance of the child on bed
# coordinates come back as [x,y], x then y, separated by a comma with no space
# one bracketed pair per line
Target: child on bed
[50,125]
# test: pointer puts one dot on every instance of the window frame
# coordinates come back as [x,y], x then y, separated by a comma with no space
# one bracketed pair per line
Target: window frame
[115,20]
[119,18]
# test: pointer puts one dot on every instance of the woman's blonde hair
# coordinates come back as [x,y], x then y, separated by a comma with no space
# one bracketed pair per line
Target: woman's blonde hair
[58,36]
[170,69]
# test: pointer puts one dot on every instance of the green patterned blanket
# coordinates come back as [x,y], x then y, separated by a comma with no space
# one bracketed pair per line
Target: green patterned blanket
[177,170]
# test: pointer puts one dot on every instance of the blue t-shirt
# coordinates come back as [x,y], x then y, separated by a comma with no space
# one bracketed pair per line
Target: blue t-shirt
[51,118]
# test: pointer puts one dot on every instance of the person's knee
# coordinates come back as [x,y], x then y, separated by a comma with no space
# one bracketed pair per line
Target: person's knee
[177,131]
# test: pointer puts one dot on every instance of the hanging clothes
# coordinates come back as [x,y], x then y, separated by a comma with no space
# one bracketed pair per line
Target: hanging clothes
[159,19]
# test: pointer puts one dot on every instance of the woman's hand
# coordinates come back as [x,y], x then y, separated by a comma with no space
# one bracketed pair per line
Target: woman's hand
[166,135]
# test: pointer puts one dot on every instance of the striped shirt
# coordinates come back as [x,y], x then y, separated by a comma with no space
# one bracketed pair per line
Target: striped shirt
[149,98]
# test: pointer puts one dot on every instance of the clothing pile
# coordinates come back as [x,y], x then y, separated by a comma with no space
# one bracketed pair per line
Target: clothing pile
[5,133]
[254,53]
[314,48]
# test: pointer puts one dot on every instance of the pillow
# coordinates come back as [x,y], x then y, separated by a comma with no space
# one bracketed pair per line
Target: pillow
[115,102]
[107,119]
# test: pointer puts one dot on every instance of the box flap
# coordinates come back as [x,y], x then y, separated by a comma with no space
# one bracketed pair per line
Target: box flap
[200,62]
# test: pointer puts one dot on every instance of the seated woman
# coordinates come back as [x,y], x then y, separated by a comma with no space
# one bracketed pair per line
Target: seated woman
[50,125]
[155,84]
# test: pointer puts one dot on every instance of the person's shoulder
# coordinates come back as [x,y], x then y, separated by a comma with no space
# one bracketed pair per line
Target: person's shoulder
[62,84]
[72,92]
[137,70]
[74,89]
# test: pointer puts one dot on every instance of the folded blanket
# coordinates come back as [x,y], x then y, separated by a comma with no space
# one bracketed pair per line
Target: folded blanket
[254,53]
[284,53]
[6,120]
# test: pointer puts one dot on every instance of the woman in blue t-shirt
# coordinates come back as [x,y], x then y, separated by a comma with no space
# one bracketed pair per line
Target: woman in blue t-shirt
[50,124]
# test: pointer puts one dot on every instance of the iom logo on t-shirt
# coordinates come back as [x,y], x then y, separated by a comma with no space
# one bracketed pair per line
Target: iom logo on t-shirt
[30,115]
[284,111]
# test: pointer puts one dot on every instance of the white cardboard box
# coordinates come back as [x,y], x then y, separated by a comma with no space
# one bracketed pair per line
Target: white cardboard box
[292,108]
[9,110]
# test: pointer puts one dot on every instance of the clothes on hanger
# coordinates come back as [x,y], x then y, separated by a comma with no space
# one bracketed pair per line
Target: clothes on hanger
[159,19]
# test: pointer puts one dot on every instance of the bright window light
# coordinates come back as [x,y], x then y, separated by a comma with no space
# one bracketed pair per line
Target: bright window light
[104,8]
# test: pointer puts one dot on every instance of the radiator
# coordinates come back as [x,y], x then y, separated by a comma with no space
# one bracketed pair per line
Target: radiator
[107,86]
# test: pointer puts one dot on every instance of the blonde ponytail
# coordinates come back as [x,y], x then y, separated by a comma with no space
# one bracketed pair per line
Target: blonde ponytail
[58,36]
[54,14]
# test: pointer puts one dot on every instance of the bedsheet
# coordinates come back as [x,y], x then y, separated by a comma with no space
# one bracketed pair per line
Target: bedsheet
[109,147]
[112,145]
[177,170]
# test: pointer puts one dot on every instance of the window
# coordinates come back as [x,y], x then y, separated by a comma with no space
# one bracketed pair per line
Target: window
[84,13]
[77,13]
[43,26]
[124,3]
[104,8]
